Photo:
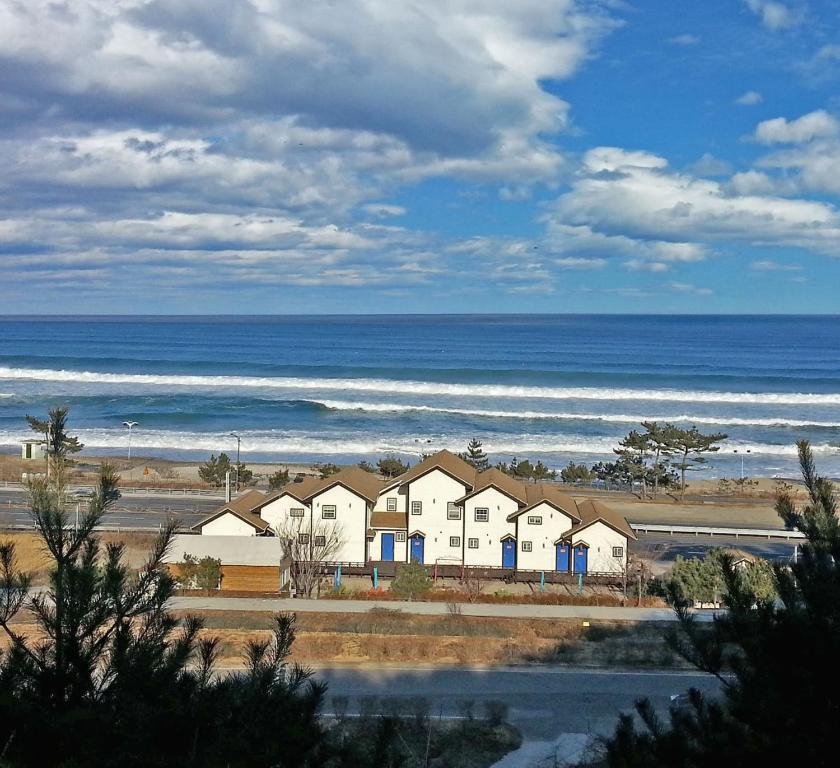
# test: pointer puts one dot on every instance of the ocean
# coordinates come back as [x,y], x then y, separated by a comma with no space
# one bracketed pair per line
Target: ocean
[347,388]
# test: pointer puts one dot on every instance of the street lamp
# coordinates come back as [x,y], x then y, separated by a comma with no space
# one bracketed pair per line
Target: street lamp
[747,450]
[238,442]
[129,425]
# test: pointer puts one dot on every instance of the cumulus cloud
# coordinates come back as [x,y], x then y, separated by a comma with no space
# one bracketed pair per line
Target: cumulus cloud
[632,199]
[768,265]
[774,15]
[814,125]
[685,39]
[749,99]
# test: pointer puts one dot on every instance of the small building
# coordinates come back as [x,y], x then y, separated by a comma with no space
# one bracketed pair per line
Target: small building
[236,518]
[33,450]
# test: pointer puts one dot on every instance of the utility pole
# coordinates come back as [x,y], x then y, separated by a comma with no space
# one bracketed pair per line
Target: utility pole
[238,443]
[129,425]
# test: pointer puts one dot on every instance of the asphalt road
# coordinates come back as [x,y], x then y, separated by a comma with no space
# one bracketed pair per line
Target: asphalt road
[129,512]
[544,701]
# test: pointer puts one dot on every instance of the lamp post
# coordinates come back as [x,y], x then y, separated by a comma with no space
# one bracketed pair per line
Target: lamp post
[129,425]
[238,443]
[747,450]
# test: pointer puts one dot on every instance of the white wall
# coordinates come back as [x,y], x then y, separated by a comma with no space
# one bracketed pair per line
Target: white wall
[601,540]
[276,513]
[543,556]
[394,493]
[228,525]
[231,550]
[351,514]
[434,490]
[375,546]
[489,534]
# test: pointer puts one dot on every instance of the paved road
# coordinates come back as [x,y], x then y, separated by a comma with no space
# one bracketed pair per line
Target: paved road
[663,549]
[507,610]
[544,701]
[129,512]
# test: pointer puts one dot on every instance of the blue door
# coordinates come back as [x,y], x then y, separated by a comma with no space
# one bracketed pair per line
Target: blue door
[581,553]
[417,549]
[562,563]
[509,553]
[387,546]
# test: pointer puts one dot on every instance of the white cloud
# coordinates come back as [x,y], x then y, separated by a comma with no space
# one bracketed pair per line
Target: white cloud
[690,288]
[749,99]
[813,125]
[768,265]
[774,15]
[684,39]
[571,262]
[384,210]
[640,265]
[709,165]
[631,199]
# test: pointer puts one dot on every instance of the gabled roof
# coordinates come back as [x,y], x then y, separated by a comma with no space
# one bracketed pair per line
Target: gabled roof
[446,461]
[494,478]
[358,481]
[593,511]
[241,507]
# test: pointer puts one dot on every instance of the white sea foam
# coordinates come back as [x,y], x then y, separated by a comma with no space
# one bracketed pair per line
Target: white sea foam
[390,386]
[287,443]
[614,418]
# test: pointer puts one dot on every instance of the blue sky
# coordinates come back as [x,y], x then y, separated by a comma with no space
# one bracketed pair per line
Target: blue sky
[271,156]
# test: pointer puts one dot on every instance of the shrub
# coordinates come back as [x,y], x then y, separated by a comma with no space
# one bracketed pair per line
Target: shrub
[496,712]
[411,581]
[278,479]
[200,574]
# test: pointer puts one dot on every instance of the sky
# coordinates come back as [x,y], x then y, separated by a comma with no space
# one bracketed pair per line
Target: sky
[387,156]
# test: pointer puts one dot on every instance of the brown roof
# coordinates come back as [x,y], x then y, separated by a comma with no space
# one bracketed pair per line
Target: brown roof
[300,489]
[388,520]
[365,484]
[242,507]
[498,479]
[593,510]
[444,460]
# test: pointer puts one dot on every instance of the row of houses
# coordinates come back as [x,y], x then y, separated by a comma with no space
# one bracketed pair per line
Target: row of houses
[440,512]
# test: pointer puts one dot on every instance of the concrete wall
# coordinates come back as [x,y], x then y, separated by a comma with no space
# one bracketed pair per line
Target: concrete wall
[352,517]
[228,525]
[231,550]
[434,490]
[543,556]
[489,534]
[601,540]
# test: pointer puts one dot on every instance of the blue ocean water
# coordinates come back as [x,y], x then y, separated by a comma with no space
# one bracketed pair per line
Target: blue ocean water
[344,388]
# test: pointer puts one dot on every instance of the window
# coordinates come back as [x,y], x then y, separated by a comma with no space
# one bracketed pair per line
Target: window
[320,541]
[453,511]
[296,512]
[527,546]
[391,505]
[303,538]
[328,512]
[416,507]
[618,551]
[454,541]
[472,543]
[399,536]
[482,514]
[534,520]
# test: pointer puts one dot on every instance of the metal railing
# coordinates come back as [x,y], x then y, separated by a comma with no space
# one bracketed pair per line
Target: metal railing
[715,530]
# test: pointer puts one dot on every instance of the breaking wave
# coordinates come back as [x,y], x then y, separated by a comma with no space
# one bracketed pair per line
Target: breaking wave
[390,386]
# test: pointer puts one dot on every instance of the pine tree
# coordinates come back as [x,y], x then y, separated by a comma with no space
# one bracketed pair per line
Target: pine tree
[475,455]
[690,445]
[780,700]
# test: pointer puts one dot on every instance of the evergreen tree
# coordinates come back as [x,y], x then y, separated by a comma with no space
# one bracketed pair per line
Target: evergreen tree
[58,444]
[391,467]
[689,446]
[276,480]
[774,658]
[632,452]
[475,455]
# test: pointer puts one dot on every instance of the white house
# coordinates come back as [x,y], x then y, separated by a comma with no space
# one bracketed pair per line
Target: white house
[236,518]
[440,512]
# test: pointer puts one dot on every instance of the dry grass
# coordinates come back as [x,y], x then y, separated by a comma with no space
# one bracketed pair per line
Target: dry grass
[383,636]
[33,558]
